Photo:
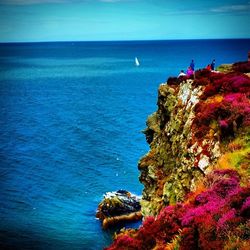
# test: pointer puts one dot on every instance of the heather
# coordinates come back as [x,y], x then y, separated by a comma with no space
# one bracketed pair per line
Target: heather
[196,175]
[229,112]
[243,67]
[217,218]
[224,102]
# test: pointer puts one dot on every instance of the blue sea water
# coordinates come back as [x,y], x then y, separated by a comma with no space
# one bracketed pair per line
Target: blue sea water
[70,130]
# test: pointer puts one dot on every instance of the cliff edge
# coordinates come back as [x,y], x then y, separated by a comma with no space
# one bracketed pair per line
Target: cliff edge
[196,175]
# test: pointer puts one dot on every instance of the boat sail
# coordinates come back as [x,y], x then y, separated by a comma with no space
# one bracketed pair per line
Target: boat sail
[137,62]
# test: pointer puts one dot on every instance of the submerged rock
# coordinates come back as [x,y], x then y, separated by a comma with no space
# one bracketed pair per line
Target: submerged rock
[118,206]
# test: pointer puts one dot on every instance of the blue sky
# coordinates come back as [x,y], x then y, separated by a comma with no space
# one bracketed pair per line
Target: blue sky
[88,20]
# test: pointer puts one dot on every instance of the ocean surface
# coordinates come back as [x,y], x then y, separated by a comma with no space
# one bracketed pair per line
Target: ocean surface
[71,123]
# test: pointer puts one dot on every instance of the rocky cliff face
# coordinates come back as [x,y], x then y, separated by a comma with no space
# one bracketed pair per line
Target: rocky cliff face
[196,174]
[177,159]
[195,121]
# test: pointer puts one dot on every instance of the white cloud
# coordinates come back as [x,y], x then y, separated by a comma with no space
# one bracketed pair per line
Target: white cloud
[31,2]
[225,9]
[232,8]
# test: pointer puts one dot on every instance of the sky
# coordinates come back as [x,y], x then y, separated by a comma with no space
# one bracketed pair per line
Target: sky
[102,20]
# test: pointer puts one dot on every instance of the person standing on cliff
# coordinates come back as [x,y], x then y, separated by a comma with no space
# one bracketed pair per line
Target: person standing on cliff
[190,72]
[213,65]
[209,67]
[181,73]
[192,64]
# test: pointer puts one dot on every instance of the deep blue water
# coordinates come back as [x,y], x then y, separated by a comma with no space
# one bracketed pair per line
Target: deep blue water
[70,130]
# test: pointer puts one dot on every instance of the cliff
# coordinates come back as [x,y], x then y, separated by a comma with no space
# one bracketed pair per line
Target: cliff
[195,123]
[177,158]
[196,175]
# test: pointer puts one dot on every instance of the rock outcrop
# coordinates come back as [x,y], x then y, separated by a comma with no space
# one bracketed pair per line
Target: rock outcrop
[117,207]
[196,175]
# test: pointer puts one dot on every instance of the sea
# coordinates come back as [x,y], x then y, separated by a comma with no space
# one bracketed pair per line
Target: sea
[71,129]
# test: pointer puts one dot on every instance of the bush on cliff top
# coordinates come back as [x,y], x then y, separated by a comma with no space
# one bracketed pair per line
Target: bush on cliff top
[230,111]
[243,67]
[225,83]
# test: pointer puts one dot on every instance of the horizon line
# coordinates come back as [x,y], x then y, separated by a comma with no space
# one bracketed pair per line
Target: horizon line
[134,40]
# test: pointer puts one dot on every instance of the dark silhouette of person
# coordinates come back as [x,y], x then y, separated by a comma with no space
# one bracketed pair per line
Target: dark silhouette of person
[192,65]
[213,64]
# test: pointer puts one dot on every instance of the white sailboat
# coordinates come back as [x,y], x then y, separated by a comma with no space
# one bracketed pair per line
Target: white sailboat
[137,62]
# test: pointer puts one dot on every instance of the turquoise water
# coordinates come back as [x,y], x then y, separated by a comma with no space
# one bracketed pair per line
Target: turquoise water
[70,130]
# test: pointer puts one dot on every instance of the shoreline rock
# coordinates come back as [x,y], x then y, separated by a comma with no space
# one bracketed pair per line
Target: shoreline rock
[115,220]
[119,206]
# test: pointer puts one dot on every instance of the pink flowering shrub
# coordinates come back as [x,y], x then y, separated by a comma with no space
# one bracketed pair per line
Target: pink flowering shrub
[243,67]
[203,223]
[202,73]
[176,80]
[245,209]
[224,222]
[173,81]
[235,106]
[230,113]
[227,83]
[126,242]
[223,124]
